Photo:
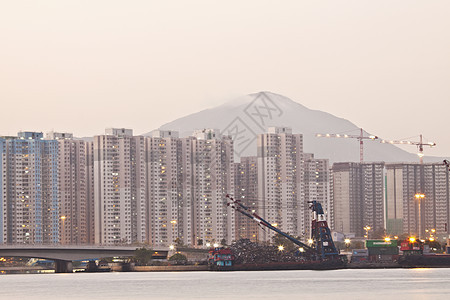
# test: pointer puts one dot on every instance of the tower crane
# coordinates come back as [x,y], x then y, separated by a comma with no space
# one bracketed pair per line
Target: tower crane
[419,145]
[359,137]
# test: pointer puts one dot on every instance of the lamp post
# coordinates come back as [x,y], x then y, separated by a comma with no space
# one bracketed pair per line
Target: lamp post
[347,243]
[171,250]
[367,229]
[173,227]
[63,232]
[420,197]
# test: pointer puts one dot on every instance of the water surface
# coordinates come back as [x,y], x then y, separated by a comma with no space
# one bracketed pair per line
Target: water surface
[338,284]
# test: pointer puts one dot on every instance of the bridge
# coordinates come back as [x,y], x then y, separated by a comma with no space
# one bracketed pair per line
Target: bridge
[63,255]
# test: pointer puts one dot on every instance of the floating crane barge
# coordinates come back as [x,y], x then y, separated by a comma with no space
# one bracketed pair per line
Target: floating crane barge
[321,254]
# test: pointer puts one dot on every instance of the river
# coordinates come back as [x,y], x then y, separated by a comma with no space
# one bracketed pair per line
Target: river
[337,284]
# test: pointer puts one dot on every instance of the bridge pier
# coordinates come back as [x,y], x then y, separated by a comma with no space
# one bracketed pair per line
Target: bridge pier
[63,266]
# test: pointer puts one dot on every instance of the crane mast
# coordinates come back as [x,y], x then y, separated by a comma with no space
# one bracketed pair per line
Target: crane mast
[321,234]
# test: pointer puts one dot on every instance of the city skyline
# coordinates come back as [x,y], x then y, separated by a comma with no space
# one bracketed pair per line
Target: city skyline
[164,189]
[171,142]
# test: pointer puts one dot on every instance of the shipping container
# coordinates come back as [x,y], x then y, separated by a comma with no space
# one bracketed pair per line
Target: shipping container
[381,243]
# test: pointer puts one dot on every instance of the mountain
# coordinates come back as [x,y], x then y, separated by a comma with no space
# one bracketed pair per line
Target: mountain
[246,117]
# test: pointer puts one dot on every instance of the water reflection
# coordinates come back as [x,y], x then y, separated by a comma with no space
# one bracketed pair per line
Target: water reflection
[338,284]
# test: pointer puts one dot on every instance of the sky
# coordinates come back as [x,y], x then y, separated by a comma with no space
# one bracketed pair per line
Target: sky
[81,66]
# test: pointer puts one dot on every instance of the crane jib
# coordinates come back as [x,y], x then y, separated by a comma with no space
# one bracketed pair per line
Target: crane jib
[240,208]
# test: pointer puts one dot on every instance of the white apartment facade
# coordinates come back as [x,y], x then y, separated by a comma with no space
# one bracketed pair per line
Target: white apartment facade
[213,220]
[280,181]
[246,191]
[120,199]
[165,209]
[316,186]
[73,196]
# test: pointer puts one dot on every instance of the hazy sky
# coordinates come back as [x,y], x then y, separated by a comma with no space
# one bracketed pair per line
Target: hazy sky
[81,66]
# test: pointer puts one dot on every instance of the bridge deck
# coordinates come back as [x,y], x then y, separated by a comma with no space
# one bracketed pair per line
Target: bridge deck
[69,253]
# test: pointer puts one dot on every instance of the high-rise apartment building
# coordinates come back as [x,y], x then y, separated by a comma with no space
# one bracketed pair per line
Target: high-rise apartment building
[280,181]
[31,200]
[316,186]
[165,188]
[345,181]
[373,196]
[73,200]
[213,220]
[358,197]
[246,191]
[413,215]
[120,187]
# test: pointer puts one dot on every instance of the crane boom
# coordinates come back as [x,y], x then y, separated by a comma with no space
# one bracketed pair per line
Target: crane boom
[238,206]
[322,246]
[419,145]
[359,137]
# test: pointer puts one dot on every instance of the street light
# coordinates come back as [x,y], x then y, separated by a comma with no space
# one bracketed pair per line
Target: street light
[367,228]
[347,243]
[280,248]
[63,233]
[420,197]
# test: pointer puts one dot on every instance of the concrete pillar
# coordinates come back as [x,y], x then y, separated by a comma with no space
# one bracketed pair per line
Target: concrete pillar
[63,266]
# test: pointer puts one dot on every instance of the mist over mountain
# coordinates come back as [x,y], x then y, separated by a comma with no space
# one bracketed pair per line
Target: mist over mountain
[246,117]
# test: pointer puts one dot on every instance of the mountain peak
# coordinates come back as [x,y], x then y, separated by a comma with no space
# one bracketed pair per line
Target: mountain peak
[247,116]
[278,99]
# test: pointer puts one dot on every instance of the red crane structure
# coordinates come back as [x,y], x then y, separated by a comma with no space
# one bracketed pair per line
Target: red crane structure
[359,137]
[447,164]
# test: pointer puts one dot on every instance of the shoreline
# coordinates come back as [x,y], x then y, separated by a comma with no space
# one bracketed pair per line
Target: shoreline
[203,268]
